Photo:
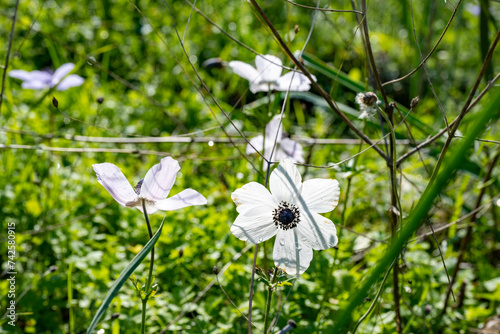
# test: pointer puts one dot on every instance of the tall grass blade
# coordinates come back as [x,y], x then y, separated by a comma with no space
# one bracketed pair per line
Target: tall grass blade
[418,215]
[125,274]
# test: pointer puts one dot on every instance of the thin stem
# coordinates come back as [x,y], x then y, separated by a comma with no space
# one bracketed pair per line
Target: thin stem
[371,57]
[321,91]
[8,53]
[374,302]
[150,275]
[143,322]
[394,217]
[255,261]
[464,110]
[250,297]
[427,72]
[269,299]
[466,241]
[431,52]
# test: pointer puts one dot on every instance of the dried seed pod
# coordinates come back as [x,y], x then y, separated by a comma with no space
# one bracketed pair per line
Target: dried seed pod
[414,102]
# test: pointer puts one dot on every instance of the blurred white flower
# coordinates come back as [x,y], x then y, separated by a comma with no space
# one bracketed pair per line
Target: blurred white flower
[46,79]
[367,104]
[153,188]
[267,76]
[285,147]
[100,331]
[289,211]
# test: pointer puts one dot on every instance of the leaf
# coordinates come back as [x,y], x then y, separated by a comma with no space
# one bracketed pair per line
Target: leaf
[125,274]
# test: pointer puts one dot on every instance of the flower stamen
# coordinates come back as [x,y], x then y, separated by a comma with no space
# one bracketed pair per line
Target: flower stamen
[286,216]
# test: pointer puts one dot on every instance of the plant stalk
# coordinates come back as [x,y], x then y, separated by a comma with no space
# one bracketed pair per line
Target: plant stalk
[150,275]
[269,299]
[395,203]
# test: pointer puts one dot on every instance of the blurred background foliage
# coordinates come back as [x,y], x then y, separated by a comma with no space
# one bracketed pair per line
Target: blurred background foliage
[73,239]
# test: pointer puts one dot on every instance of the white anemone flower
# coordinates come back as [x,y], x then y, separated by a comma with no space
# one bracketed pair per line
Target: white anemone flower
[154,188]
[267,76]
[285,147]
[47,79]
[291,212]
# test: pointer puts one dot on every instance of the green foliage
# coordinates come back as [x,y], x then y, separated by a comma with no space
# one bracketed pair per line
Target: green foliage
[73,240]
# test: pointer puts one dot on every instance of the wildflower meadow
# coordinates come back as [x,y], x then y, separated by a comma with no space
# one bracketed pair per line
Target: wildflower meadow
[249,166]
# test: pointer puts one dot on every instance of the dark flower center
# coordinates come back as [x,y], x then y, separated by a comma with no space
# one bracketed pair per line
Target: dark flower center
[286,216]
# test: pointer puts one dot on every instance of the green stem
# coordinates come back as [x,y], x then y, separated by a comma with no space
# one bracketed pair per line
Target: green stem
[150,275]
[374,302]
[70,299]
[269,298]
[143,323]
[394,217]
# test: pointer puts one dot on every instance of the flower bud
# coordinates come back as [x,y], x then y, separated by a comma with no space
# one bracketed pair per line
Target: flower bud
[414,102]
[55,103]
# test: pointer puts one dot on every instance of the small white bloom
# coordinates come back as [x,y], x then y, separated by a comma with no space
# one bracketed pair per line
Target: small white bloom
[46,79]
[291,212]
[100,331]
[268,77]
[367,104]
[153,188]
[285,147]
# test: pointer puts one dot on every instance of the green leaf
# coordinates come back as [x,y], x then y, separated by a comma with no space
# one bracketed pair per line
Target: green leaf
[417,216]
[125,274]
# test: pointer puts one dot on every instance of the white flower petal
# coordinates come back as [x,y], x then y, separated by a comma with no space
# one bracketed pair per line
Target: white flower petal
[20,74]
[150,207]
[254,229]
[254,196]
[290,254]
[295,82]
[111,177]
[185,198]
[321,195]
[43,76]
[61,72]
[285,182]
[269,67]
[292,150]
[159,180]
[263,87]
[274,127]
[316,231]
[72,80]
[244,70]
[35,84]
[257,143]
